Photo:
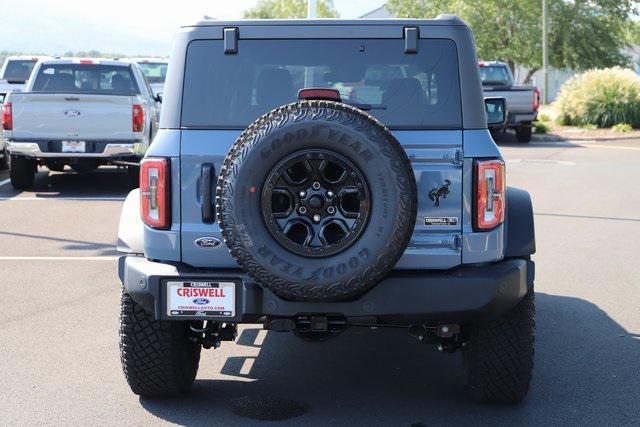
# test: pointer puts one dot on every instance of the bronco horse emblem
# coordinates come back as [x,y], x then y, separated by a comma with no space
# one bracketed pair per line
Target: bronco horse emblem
[436,193]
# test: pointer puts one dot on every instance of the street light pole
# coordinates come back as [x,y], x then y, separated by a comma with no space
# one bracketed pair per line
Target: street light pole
[312,9]
[545,53]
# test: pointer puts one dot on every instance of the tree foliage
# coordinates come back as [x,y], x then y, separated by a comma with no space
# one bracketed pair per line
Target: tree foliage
[289,9]
[582,34]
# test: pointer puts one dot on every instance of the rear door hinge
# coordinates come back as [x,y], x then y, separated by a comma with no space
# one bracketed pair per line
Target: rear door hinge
[458,159]
[411,36]
[457,242]
[230,36]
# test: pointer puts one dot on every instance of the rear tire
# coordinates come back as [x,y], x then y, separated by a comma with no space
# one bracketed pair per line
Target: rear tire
[4,161]
[158,359]
[498,357]
[133,176]
[22,172]
[523,133]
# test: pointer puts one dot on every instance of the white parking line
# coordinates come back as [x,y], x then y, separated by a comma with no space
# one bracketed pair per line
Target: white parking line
[544,161]
[614,147]
[54,198]
[5,182]
[59,258]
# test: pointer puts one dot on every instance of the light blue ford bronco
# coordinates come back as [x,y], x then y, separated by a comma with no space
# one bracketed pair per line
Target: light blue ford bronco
[312,176]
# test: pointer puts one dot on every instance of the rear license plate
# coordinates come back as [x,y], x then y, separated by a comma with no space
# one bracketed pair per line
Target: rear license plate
[73,146]
[201,299]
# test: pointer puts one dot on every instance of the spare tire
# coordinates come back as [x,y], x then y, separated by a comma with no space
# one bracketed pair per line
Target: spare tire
[316,201]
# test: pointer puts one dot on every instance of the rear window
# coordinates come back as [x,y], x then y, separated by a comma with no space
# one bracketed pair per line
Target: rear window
[85,78]
[401,90]
[19,69]
[494,75]
[155,72]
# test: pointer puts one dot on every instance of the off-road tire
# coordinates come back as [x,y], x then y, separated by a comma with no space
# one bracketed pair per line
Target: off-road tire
[22,172]
[523,133]
[275,136]
[158,359]
[4,161]
[498,357]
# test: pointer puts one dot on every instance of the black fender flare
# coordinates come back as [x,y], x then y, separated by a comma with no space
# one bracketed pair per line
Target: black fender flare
[520,239]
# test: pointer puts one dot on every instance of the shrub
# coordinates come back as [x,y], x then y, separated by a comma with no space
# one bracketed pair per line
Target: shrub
[541,127]
[622,127]
[543,117]
[600,98]
[588,126]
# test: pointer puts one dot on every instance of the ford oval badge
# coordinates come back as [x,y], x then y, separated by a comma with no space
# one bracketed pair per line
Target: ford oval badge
[208,242]
[201,301]
[72,113]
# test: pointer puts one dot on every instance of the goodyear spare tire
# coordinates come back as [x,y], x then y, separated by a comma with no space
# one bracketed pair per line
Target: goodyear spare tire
[316,201]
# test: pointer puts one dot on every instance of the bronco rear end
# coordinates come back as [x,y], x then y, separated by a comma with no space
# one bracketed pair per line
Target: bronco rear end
[317,175]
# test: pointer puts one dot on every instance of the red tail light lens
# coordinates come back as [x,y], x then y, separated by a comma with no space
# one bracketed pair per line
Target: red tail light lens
[138,118]
[536,99]
[7,116]
[490,191]
[155,199]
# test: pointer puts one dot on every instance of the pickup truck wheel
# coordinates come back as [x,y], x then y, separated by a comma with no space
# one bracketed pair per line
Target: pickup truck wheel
[133,176]
[523,133]
[4,161]
[22,172]
[158,359]
[498,357]
[316,201]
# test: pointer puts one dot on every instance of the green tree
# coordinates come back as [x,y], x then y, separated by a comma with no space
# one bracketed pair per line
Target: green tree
[283,9]
[582,34]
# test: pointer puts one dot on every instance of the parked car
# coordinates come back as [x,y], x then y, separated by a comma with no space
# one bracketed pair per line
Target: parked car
[14,73]
[79,112]
[155,70]
[522,101]
[357,186]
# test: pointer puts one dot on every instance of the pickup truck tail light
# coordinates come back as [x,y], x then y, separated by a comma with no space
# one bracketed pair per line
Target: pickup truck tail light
[7,116]
[138,118]
[155,197]
[490,194]
[536,99]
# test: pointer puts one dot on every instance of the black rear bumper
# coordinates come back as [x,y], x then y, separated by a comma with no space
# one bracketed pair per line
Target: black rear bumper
[461,295]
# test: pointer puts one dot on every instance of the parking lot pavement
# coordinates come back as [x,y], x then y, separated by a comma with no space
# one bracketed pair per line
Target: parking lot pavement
[59,318]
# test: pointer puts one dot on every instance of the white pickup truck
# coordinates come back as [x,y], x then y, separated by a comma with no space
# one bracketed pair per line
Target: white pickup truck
[14,73]
[81,113]
[155,70]
[522,101]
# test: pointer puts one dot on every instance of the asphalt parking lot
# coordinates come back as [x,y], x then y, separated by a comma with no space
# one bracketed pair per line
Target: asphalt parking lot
[59,358]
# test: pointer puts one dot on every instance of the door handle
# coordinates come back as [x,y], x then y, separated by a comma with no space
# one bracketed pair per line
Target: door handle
[206,177]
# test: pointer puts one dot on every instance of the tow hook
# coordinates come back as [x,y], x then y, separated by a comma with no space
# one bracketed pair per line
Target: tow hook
[445,337]
[213,333]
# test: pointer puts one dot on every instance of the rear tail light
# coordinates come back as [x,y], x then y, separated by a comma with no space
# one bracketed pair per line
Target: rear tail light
[490,194]
[536,99]
[138,118]
[7,116]
[155,198]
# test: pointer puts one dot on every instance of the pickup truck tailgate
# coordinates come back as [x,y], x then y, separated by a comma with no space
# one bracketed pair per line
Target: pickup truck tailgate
[519,99]
[78,116]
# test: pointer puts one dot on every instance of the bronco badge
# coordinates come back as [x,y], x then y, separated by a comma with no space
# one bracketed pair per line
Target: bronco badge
[436,193]
[208,242]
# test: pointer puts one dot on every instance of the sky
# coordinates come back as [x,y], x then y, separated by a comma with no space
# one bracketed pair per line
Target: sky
[123,26]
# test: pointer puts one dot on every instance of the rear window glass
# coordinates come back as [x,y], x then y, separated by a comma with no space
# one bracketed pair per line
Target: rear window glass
[18,69]
[155,72]
[494,74]
[403,91]
[86,78]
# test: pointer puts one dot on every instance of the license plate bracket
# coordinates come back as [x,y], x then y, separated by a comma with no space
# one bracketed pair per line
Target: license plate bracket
[201,298]
[74,146]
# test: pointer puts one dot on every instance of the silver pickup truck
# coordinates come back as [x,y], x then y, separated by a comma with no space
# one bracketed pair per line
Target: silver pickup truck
[14,73]
[81,113]
[522,101]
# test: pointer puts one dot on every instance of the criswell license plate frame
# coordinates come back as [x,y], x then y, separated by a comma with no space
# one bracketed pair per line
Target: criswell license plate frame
[164,299]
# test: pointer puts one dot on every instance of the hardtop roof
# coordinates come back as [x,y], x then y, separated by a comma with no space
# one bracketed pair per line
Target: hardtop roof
[440,20]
